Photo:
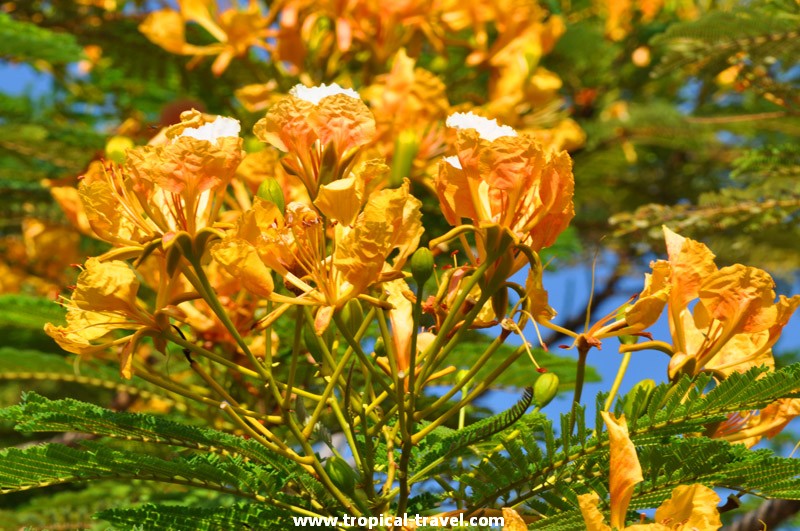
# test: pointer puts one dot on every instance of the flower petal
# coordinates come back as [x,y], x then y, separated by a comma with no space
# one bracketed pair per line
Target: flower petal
[626,472]
[691,506]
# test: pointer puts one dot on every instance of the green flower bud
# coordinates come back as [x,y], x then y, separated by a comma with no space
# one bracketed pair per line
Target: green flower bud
[353,316]
[380,347]
[422,265]
[341,474]
[270,190]
[405,151]
[500,302]
[116,148]
[638,399]
[545,389]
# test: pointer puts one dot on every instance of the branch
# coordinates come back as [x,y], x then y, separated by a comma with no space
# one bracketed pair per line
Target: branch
[768,515]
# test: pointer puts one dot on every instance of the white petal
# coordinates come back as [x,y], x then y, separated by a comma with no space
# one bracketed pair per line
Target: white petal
[315,94]
[219,128]
[488,130]
[453,161]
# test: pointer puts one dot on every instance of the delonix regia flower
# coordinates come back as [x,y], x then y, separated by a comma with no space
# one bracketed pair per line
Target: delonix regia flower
[722,320]
[173,186]
[502,178]
[321,129]
[236,30]
[328,254]
[689,507]
[104,301]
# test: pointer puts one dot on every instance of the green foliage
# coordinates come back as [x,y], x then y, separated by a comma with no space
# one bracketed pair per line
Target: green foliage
[239,516]
[445,442]
[538,470]
[23,41]
[763,31]
[24,311]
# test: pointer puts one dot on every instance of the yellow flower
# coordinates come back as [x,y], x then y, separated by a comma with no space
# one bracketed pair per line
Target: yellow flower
[321,128]
[236,30]
[735,320]
[295,244]
[689,507]
[501,178]
[162,189]
[748,428]
[104,301]
[408,101]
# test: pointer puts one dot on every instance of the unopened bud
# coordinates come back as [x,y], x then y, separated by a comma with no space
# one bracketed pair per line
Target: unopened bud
[116,148]
[271,190]
[341,474]
[352,316]
[545,389]
[638,399]
[422,266]
[380,347]
[405,151]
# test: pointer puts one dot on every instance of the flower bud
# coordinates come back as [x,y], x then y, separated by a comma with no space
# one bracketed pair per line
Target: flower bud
[500,302]
[353,316]
[545,389]
[380,347]
[341,474]
[405,151]
[270,190]
[422,266]
[116,148]
[638,399]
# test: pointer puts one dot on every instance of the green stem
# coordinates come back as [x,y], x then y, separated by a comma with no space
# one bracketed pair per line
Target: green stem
[480,388]
[207,353]
[623,367]
[199,280]
[450,320]
[660,346]
[583,353]
[478,365]
[356,347]
[298,330]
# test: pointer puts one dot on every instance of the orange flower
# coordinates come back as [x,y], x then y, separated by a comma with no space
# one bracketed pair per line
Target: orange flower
[104,301]
[295,244]
[321,128]
[237,31]
[748,428]
[501,178]
[735,320]
[162,189]
[408,101]
[690,506]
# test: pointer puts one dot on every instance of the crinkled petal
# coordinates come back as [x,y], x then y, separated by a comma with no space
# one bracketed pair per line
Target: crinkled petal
[512,521]
[106,286]
[650,304]
[692,506]
[692,263]
[344,121]
[592,516]
[340,200]
[240,259]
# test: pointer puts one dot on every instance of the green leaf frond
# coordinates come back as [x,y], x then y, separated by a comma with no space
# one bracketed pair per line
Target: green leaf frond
[537,469]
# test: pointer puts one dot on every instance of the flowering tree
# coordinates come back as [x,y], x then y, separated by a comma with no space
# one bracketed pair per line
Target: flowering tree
[292,307]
